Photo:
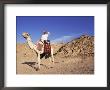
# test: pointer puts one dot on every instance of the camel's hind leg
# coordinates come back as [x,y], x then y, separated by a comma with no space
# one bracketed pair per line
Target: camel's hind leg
[52,57]
[39,61]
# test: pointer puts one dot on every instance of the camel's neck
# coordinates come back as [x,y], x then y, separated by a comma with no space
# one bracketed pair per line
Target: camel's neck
[29,39]
[30,43]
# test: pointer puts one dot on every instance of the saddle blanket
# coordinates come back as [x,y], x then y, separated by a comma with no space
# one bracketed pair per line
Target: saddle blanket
[47,48]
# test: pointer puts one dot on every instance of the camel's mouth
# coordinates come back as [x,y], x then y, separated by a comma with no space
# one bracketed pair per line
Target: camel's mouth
[24,36]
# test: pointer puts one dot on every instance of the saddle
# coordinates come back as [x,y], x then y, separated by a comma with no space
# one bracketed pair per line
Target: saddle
[47,48]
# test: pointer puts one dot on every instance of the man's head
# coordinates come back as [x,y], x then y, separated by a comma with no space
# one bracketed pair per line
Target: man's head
[45,32]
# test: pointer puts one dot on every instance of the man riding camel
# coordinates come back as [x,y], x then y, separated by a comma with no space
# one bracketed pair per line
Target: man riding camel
[44,37]
[44,42]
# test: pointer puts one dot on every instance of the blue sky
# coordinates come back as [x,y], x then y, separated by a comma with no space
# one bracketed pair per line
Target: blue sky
[60,27]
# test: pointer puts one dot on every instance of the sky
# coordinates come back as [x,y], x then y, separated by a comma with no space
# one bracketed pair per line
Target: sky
[60,27]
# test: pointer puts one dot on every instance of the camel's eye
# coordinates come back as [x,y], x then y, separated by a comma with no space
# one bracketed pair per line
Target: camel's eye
[27,34]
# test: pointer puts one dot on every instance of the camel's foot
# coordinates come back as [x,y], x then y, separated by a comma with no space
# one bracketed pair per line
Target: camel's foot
[37,68]
[53,62]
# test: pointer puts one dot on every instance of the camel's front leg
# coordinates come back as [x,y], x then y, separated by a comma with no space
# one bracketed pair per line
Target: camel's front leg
[39,61]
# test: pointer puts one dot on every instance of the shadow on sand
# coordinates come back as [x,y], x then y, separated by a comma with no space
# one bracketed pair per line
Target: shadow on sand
[32,65]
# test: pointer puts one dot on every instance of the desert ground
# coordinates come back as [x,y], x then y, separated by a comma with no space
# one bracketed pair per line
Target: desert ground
[75,57]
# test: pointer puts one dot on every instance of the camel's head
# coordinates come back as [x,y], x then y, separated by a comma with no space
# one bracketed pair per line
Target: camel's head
[25,34]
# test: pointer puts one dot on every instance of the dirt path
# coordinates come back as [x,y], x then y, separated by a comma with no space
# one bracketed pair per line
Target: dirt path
[61,66]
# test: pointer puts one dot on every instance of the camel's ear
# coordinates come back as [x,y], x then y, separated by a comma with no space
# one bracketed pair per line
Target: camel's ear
[28,34]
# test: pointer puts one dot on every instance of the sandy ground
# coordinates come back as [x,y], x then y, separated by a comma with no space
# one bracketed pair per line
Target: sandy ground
[26,63]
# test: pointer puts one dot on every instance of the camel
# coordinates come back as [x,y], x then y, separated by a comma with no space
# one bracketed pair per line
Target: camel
[34,48]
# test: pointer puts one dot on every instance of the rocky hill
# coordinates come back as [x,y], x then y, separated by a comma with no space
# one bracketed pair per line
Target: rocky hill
[82,46]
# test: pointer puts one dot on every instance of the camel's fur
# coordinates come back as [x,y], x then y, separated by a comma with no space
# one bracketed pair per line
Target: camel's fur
[34,47]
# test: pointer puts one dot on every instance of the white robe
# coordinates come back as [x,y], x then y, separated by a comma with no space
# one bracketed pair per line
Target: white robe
[44,37]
